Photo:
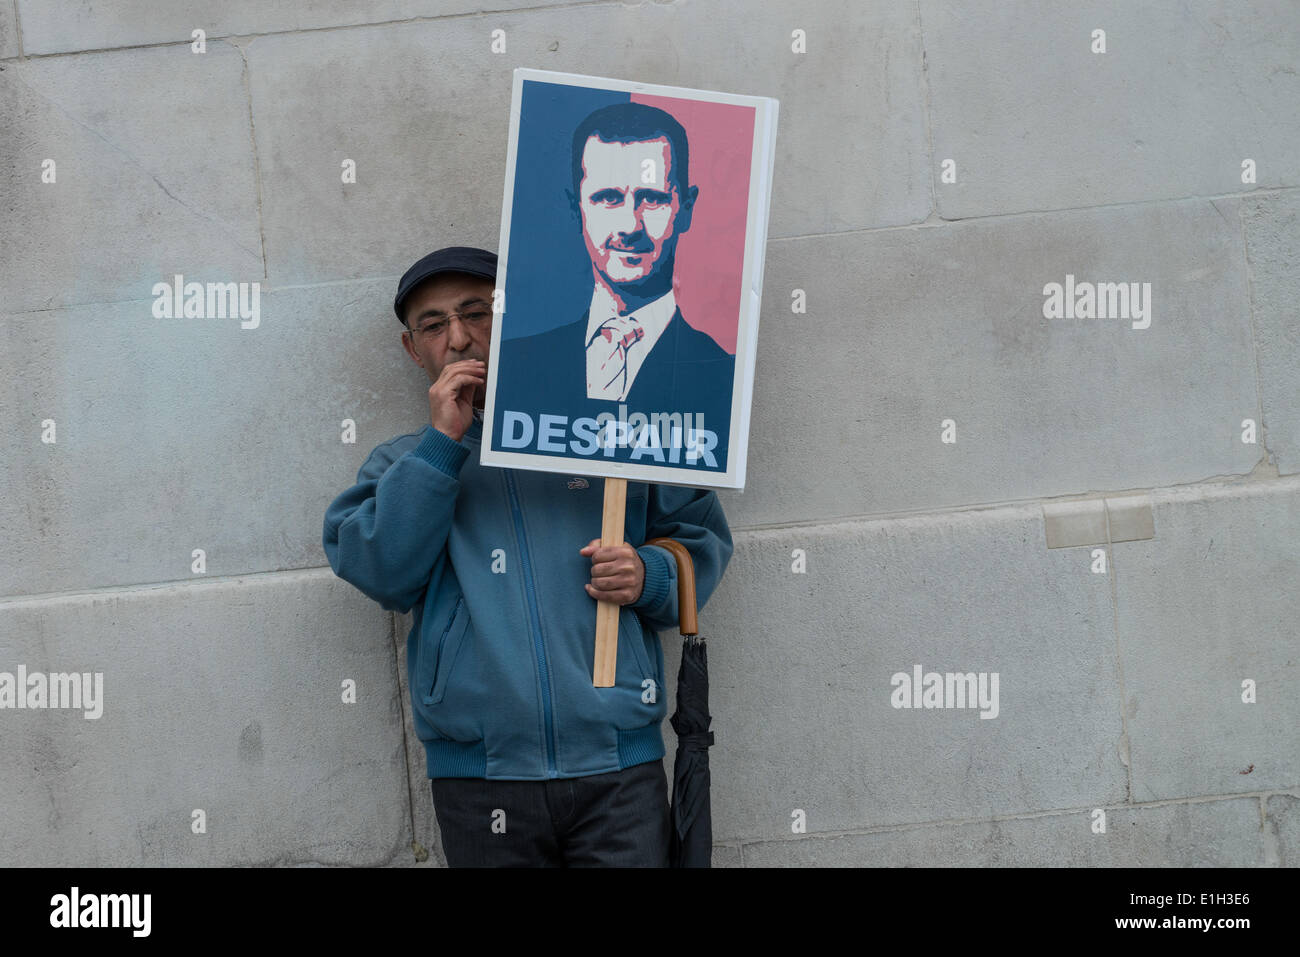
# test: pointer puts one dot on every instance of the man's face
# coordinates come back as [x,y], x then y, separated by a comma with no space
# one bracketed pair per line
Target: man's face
[432,302]
[631,214]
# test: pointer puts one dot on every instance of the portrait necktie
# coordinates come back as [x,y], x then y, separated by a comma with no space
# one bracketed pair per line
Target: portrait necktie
[607,356]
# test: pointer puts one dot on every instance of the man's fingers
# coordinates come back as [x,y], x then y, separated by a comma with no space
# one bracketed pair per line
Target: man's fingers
[617,567]
[459,383]
[465,363]
[606,594]
[459,379]
[620,596]
[601,576]
[463,367]
[614,572]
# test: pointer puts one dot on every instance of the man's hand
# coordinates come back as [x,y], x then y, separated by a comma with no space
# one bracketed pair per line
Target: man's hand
[617,572]
[451,397]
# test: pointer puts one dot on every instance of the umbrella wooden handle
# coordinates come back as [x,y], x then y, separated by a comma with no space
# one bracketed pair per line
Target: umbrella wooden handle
[686,609]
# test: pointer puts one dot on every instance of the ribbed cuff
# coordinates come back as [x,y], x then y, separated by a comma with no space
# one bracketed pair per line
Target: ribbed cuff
[659,576]
[640,745]
[442,451]
[455,759]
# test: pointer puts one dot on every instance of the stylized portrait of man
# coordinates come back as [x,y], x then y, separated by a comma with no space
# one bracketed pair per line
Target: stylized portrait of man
[632,196]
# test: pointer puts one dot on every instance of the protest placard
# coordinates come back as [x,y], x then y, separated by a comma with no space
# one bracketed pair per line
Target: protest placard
[630,265]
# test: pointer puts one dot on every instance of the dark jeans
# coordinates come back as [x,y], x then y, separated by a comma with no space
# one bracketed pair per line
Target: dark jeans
[619,819]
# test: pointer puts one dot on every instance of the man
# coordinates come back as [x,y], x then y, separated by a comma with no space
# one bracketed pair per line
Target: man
[631,195]
[530,764]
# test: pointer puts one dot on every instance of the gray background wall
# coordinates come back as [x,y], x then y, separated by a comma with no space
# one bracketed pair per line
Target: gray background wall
[1119,691]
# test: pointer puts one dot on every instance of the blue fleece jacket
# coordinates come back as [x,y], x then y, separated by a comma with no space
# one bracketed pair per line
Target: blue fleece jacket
[500,655]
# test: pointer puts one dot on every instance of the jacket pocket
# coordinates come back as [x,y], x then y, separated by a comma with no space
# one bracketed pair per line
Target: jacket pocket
[637,697]
[435,674]
[631,635]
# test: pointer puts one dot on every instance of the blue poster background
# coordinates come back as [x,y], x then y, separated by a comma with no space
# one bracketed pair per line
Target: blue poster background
[548,272]
[541,403]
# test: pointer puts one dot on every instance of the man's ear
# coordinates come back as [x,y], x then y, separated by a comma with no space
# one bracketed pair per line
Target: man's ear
[686,210]
[573,203]
[409,345]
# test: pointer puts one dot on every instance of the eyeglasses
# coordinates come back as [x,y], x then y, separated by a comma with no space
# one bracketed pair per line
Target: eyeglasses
[436,327]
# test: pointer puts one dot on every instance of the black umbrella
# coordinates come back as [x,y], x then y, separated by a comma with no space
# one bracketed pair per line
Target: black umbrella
[691,843]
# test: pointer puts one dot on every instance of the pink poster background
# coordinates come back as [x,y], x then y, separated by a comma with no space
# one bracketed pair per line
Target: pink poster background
[710,255]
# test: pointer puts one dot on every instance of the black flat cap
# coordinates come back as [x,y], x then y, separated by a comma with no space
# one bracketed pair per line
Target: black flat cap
[476,262]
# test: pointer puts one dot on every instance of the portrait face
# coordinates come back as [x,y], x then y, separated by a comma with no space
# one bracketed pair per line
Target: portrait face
[631,220]
[435,337]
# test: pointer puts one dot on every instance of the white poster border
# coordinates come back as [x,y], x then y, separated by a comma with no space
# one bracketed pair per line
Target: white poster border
[762,160]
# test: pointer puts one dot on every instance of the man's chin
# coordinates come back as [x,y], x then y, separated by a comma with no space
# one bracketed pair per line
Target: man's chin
[628,276]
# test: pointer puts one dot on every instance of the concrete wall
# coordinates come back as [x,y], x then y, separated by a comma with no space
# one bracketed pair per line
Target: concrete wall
[866,545]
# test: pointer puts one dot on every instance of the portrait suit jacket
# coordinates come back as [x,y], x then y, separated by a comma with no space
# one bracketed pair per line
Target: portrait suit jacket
[686,371]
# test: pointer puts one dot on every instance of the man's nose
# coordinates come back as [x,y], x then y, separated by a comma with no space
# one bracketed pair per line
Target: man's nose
[457,334]
[628,220]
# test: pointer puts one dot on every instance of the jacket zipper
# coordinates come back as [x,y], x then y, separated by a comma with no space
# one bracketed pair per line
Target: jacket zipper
[535,629]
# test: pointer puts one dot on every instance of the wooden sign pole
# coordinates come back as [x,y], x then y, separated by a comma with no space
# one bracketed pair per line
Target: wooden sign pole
[611,533]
